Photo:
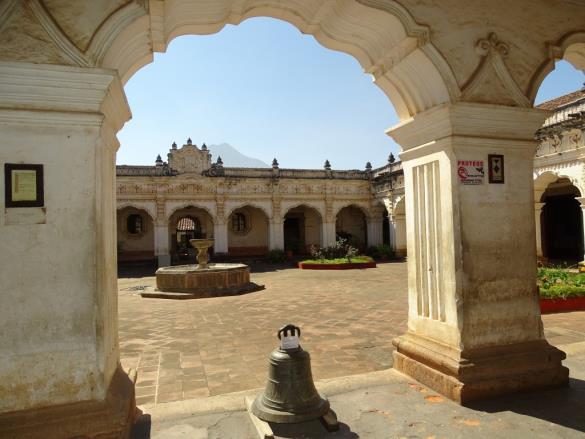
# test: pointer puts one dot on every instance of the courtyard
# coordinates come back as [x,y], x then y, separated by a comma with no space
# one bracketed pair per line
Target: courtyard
[198,348]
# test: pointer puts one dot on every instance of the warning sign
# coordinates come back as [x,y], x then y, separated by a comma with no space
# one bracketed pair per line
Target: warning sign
[470,171]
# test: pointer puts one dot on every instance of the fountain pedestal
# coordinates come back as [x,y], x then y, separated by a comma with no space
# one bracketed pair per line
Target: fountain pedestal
[202,280]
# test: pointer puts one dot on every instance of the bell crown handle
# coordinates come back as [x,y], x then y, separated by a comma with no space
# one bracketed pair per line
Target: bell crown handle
[290,328]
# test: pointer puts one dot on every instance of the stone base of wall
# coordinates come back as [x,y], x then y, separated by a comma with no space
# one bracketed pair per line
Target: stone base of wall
[107,419]
[469,376]
[248,251]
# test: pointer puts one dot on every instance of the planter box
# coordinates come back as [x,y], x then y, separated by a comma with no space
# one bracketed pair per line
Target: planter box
[559,305]
[344,266]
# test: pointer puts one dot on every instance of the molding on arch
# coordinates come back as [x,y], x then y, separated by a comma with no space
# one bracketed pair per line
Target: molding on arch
[230,208]
[68,49]
[545,177]
[286,207]
[174,207]
[389,44]
[147,206]
[571,47]
[6,9]
[363,207]
[110,28]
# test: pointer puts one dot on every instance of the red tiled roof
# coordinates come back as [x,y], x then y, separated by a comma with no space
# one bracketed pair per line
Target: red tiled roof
[561,101]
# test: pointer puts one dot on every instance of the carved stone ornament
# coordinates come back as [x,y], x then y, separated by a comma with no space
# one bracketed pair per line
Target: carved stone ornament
[491,82]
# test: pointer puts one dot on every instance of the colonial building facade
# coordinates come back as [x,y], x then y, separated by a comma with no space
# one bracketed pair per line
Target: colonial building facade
[249,211]
[559,180]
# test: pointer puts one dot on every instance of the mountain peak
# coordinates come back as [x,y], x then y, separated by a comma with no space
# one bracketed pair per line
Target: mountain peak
[233,158]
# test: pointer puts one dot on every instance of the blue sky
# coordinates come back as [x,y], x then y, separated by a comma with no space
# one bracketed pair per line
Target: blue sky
[269,91]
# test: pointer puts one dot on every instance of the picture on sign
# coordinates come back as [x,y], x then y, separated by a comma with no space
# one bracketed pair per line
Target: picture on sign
[23,185]
[496,168]
[470,172]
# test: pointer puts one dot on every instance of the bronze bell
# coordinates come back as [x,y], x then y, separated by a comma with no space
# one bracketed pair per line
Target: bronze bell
[290,395]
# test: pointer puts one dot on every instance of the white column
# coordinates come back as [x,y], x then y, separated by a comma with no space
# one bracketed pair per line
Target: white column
[58,307]
[582,202]
[161,244]
[220,235]
[538,228]
[399,226]
[375,232]
[391,232]
[276,234]
[328,233]
[474,327]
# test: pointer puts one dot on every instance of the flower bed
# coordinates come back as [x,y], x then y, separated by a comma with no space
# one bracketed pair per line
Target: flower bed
[560,305]
[337,264]
[561,290]
[339,256]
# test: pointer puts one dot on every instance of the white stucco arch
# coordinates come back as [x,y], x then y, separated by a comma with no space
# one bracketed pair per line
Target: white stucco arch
[174,207]
[571,48]
[265,207]
[288,206]
[363,207]
[382,36]
[398,205]
[543,179]
[145,206]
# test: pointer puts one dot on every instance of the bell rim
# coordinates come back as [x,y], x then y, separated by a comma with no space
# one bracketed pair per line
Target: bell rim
[268,414]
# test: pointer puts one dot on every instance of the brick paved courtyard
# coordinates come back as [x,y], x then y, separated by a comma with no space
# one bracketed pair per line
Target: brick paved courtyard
[197,348]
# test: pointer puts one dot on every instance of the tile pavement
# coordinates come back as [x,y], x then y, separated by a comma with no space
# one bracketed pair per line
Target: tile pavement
[199,348]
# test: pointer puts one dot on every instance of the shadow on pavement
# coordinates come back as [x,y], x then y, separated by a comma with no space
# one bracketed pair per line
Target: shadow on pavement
[141,429]
[564,406]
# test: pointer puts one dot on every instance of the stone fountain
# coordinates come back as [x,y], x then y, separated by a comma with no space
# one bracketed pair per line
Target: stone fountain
[202,280]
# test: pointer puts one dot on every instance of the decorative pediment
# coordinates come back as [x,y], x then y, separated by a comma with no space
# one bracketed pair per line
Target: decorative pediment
[491,82]
[189,159]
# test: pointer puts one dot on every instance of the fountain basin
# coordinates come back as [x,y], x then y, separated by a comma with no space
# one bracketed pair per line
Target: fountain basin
[193,282]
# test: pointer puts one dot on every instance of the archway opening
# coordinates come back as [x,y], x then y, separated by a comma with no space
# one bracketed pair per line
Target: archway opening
[562,223]
[302,230]
[185,224]
[247,232]
[351,225]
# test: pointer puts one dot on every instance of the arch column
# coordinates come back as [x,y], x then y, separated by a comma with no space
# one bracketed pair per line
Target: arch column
[328,233]
[374,231]
[474,326]
[276,234]
[69,365]
[162,249]
[220,235]
[538,228]
[399,234]
[582,203]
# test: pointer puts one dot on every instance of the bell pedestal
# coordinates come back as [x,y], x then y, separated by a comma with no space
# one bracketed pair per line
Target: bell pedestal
[290,395]
[290,402]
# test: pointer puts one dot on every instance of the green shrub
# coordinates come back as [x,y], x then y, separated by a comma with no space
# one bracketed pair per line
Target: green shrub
[385,250]
[276,256]
[373,252]
[559,283]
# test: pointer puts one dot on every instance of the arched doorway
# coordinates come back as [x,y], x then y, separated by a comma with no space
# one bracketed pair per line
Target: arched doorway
[247,232]
[562,223]
[185,224]
[351,224]
[135,236]
[302,229]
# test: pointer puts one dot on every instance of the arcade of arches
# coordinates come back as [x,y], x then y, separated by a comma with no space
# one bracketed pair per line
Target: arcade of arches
[251,211]
[463,87]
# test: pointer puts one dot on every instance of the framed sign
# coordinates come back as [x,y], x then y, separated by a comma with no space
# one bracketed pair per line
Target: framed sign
[23,185]
[496,168]
[470,172]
